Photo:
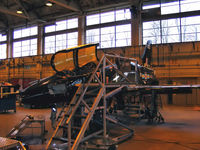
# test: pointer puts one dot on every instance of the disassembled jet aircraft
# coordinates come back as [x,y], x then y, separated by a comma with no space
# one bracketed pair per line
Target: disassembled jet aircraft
[94,90]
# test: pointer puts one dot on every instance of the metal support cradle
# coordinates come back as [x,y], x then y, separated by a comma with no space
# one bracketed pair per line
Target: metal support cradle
[88,109]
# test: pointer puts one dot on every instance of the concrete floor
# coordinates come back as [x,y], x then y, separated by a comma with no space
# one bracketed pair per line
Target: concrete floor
[181,130]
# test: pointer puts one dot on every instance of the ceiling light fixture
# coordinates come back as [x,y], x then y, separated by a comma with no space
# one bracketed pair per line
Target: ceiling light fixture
[49,4]
[19,11]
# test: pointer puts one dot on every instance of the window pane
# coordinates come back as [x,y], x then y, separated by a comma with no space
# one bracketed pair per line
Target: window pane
[190,5]
[92,19]
[190,37]
[123,35]
[72,23]
[25,43]
[107,37]
[17,34]
[33,45]
[171,30]
[17,49]
[72,43]
[171,23]
[17,44]
[25,50]
[151,25]
[50,44]
[170,8]
[50,28]
[61,42]
[170,38]
[3,37]
[191,29]
[92,36]
[3,51]
[151,31]
[123,42]
[34,30]
[123,14]
[72,35]
[17,52]
[25,53]
[107,17]
[190,20]
[61,25]
[72,39]
[26,32]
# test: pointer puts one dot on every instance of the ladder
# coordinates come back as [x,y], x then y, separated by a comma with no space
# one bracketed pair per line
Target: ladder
[77,115]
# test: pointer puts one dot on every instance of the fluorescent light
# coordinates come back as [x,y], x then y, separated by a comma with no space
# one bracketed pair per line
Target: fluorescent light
[49,4]
[19,11]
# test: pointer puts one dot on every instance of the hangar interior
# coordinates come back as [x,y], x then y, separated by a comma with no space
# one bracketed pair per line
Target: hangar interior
[33,31]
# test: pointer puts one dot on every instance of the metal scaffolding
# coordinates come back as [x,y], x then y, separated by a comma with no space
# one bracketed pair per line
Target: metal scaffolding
[90,98]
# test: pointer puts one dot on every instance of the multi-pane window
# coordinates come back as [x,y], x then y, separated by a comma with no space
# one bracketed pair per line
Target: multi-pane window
[172,7]
[3,46]
[62,25]
[25,48]
[25,32]
[180,29]
[58,42]
[25,41]
[55,40]
[151,31]
[110,29]
[190,28]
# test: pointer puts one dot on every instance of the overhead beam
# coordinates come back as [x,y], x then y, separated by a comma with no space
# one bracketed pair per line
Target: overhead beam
[13,13]
[70,5]
[4,20]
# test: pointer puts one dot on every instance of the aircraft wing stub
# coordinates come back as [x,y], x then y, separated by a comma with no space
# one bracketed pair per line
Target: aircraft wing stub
[164,86]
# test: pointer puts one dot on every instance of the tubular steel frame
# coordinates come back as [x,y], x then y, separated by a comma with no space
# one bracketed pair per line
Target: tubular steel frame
[102,94]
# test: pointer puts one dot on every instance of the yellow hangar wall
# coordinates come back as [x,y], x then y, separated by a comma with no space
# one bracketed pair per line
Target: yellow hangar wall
[177,63]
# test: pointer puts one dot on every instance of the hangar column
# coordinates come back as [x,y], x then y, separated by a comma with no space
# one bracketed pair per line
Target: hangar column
[136,29]
[81,29]
[9,44]
[40,40]
[40,51]
[9,53]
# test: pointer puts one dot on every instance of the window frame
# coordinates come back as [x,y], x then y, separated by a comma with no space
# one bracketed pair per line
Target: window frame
[181,15]
[101,26]
[65,31]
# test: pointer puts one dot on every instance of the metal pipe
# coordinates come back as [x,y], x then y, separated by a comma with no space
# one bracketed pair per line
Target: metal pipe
[104,98]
